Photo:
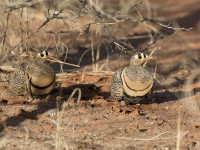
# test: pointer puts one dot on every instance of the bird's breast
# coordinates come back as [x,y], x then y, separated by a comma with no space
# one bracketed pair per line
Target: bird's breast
[135,87]
[44,90]
[42,80]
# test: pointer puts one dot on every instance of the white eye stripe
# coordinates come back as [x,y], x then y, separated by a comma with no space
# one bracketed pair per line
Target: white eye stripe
[45,53]
[140,56]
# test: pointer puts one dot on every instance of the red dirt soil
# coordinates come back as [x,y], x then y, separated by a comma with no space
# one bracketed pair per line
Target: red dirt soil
[170,116]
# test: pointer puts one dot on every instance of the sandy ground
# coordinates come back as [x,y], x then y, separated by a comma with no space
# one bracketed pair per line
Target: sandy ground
[168,119]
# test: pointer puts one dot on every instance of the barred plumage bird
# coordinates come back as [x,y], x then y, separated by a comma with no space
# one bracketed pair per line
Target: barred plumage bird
[34,78]
[17,83]
[134,82]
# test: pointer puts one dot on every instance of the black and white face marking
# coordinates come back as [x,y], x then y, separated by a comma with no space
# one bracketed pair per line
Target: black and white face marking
[138,59]
[140,56]
[43,54]
[46,53]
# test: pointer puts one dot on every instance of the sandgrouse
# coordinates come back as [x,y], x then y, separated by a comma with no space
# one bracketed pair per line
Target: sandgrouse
[34,78]
[133,83]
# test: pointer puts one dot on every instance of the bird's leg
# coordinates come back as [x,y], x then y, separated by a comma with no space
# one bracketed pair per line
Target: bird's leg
[29,96]
[122,103]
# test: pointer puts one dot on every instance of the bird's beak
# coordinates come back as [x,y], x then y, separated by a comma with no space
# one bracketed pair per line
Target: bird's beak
[51,55]
[149,57]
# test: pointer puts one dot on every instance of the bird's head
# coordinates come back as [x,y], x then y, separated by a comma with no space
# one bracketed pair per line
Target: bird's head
[139,58]
[42,56]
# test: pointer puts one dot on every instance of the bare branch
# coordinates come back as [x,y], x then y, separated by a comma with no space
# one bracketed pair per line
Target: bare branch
[16,5]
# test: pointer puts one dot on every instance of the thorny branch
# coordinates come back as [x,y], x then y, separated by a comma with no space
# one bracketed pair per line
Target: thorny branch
[48,19]
[98,13]
[16,5]
[99,16]
[166,26]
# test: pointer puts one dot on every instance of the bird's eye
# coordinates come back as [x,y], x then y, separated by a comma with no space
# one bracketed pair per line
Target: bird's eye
[139,56]
[41,55]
